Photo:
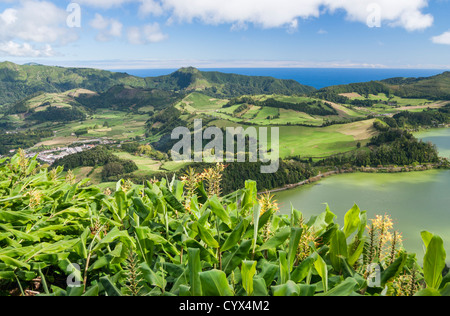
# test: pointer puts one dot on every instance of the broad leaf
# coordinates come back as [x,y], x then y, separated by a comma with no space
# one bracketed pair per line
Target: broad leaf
[215,283]
[248,271]
[434,262]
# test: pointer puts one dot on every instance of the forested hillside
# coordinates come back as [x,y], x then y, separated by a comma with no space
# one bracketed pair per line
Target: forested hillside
[433,88]
[21,81]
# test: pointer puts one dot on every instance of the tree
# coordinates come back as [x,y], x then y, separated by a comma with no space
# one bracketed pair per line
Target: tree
[112,169]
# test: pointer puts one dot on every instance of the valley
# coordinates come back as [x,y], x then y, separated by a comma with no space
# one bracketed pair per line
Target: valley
[91,163]
[314,124]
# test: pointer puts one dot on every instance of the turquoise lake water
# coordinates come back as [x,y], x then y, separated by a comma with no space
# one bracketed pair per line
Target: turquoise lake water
[416,201]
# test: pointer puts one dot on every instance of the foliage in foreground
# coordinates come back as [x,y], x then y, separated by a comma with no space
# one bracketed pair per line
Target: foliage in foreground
[59,237]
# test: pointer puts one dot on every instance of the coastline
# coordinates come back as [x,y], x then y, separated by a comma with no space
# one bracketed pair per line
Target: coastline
[379,169]
[444,164]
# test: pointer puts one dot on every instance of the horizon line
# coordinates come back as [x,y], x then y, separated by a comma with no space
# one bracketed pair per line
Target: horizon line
[112,65]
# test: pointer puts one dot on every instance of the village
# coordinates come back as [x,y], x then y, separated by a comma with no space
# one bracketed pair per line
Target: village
[49,156]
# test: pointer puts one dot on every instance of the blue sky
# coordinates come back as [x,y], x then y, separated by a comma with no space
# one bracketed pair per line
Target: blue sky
[125,34]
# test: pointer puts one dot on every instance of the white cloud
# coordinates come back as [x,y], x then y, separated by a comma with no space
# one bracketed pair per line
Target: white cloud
[146,6]
[150,33]
[11,48]
[35,21]
[444,38]
[31,22]
[108,28]
[104,4]
[281,13]
[150,7]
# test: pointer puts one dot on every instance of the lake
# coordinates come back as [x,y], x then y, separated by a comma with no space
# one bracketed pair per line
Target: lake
[416,201]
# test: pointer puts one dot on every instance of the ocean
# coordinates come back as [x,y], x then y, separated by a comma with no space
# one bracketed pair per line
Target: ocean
[315,77]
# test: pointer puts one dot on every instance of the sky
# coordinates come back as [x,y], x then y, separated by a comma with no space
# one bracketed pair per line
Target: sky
[140,34]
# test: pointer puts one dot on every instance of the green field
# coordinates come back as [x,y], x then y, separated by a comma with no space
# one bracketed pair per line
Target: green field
[398,100]
[313,142]
[120,126]
[197,102]
[316,142]
[145,164]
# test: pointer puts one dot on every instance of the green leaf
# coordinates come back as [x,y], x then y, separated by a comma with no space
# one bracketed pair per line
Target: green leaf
[284,268]
[219,210]
[352,221]
[248,271]
[259,287]
[121,201]
[307,290]
[145,246]
[172,200]
[110,288]
[7,275]
[354,254]
[114,234]
[17,217]
[141,209]
[250,195]
[154,279]
[232,259]
[80,247]
[205,254]
[394,269]
[287,289]
[434,262]
[426,237]
[205,236]
[92,291]
[235,236]
[445,290]
[256,215]
[428,292]
[268,272]
[14,263]
[279,238]
[302,270]
[322,270]
[195,268]
[21,235]
[296,234]
[346,288]
[338,250]
[215,283]
[329,215]
[320,223]
[296,217]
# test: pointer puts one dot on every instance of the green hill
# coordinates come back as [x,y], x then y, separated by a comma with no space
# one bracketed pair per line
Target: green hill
[219,84]
[433,88]
[125,98]
[20,81]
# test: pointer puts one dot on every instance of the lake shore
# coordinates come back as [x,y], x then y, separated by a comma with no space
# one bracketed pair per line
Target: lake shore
[379,169]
